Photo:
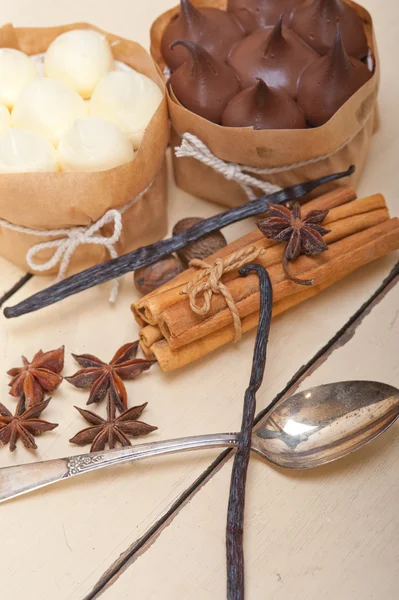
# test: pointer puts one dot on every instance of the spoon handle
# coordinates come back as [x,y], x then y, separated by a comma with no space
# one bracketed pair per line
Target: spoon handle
[22,479]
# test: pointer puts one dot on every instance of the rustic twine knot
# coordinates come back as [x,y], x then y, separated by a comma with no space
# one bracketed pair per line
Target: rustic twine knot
[230,171]
[212,284]
[69,239]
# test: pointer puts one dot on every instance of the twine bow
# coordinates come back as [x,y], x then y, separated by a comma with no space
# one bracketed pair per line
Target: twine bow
[69,239]
[212,274]
[75,237]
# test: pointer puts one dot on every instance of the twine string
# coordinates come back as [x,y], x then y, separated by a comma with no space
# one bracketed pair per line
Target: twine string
[69,239]
[192,147]
[212,274]
[246,176]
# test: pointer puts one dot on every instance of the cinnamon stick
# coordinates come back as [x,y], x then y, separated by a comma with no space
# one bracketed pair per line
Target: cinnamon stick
[152,307]
[171,360]
[148,308]
[377,242]
[180,325]
[147,351]
[248,322]
[148,336]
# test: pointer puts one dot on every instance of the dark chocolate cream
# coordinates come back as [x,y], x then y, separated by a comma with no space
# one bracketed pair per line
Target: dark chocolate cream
[256,14]
[263,107]
[275,54]
[329,82]
[316,24]
[213,29]
[203,84]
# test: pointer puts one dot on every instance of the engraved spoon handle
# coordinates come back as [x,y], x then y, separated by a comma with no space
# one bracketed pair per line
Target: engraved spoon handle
[22,479]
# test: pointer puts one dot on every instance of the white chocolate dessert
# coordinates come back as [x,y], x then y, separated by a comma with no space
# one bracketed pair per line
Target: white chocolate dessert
[93,144]
[48,107]
[16,71]
[5,119]
[92,109]
[26,152]
[79,58]
[129,100]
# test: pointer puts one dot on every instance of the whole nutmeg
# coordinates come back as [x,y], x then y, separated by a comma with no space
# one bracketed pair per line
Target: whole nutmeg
[202,248]
[148,279]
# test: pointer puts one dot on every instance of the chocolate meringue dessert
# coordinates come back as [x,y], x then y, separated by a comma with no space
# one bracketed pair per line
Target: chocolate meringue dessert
[256,14]
[329,82]
[316,22]
[263,107]
[203,84]
[275,54]
[213,29]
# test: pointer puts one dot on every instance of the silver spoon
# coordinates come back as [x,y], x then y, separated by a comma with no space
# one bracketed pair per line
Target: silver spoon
[303,431]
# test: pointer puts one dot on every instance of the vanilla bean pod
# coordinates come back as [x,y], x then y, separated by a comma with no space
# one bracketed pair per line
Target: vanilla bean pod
[148,255]
[235,515]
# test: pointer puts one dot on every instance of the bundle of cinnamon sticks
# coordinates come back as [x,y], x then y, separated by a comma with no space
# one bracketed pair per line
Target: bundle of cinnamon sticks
[361,231]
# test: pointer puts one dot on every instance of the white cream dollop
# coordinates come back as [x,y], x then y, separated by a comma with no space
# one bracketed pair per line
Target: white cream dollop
[48,107]
[5,119]
[79,58]
[93,144]
[16,71]
[128,99]
[26,152]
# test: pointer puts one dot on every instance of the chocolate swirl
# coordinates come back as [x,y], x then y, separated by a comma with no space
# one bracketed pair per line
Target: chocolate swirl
[275,54]
[257,14]
[316,24]
[263,107]
[203,84]
[213,29]
[329,82]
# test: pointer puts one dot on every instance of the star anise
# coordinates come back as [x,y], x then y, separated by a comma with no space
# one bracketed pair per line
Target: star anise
[23,425]
[106,379]
[38,377]
[112,431]
[303,235]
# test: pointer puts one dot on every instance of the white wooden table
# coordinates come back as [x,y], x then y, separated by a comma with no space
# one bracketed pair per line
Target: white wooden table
[155,529]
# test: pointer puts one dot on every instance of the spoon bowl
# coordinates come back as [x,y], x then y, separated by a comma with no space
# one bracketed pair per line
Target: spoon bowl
[306,430]
[318,426]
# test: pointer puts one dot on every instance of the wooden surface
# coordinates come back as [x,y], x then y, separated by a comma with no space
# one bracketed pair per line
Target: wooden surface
[156,529]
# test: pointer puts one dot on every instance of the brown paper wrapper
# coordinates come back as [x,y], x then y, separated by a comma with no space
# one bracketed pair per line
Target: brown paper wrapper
[343,141]
[48,201]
